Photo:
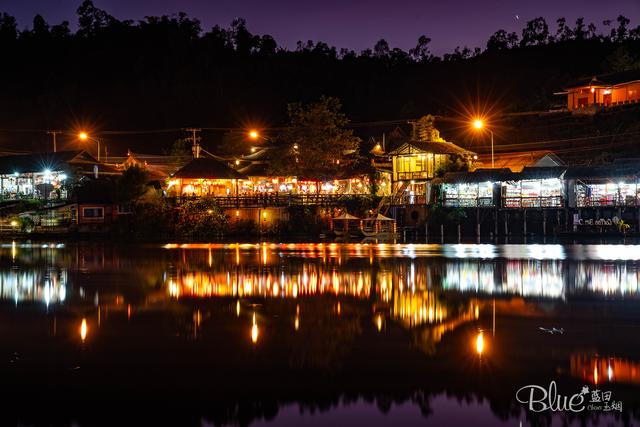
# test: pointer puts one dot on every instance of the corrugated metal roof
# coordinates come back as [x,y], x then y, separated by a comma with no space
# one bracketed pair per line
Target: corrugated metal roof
[610,79]
[479,175]
[536,172]
[620,169]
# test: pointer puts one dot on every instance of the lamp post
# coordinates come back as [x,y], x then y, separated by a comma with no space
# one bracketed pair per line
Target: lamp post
[83,136]
[478,124]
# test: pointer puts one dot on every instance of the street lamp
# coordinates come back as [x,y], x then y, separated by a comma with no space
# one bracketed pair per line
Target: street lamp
[83,136]
[478,124]
[254,134]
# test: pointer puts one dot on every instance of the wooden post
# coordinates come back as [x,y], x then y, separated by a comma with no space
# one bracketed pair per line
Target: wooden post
[441,233]
[458,231]
[478,223]
[506,223]
[524,219]
[495,224]
[426,232]
[544,223]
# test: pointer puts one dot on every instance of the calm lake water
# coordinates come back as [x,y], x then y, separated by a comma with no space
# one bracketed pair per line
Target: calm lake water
[317,334]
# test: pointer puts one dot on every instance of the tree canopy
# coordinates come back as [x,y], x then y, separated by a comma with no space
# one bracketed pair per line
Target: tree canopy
[169,72]
[316,143]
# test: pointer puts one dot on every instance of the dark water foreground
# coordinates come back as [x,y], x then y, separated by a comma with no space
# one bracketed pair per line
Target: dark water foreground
[316,334]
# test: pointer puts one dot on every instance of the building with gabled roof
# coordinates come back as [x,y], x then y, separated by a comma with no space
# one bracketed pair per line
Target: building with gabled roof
[205,176]
[605,90]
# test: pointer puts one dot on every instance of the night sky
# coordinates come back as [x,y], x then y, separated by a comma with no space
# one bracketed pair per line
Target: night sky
[355,24]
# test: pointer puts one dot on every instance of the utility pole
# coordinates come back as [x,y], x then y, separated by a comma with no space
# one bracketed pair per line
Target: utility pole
[53,134]
[195,139]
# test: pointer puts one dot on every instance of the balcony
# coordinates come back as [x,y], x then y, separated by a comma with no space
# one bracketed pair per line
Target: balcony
[406,176]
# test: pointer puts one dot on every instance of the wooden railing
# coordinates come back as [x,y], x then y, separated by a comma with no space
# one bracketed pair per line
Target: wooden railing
[277,200]
[483,202]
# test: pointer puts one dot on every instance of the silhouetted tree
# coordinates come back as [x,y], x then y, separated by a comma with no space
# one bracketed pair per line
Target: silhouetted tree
[381,49]
[8,28]
[421,52]
[564,32]
[501,40]
[316,142]
[536,32]
[92,19]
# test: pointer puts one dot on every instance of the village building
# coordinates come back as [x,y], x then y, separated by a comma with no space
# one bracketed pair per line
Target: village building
[422,158]
[205,176]
[159,167]
[603,91]
[44,175]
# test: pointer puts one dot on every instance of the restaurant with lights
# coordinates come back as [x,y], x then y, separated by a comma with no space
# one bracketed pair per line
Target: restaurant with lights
[44,175]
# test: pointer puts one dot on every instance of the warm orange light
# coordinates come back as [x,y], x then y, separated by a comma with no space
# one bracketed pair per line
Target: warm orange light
[83,136]
[480,343]
[593,89]
[253,134]
[478,124]
[254,330]
[83,330]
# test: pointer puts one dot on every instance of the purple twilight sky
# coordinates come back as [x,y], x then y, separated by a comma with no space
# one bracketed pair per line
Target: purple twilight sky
[355,24]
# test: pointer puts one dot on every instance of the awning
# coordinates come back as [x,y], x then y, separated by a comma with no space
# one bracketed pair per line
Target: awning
[345,216]
[379,217]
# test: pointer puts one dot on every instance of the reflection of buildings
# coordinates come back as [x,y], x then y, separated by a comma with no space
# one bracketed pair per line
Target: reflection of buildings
[604,369]
[393,270]
[272,282]
[47,286]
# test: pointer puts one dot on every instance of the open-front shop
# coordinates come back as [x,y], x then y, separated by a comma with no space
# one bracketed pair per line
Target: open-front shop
[606,194]
[533,193]
[467,194]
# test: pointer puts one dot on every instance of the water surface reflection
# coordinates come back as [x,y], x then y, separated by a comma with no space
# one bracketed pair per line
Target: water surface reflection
[236,333]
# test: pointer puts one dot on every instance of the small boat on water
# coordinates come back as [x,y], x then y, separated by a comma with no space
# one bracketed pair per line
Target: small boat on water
[345,225]
[378,226]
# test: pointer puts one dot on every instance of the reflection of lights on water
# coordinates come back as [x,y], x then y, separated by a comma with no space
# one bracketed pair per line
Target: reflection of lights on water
[477,311]
[238,308]
[545,251]
[595,375]
[254,330]
[338,308]
[83,329]
[615,252]
[609,372]
[379,322]
[480,343]
[296,323]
